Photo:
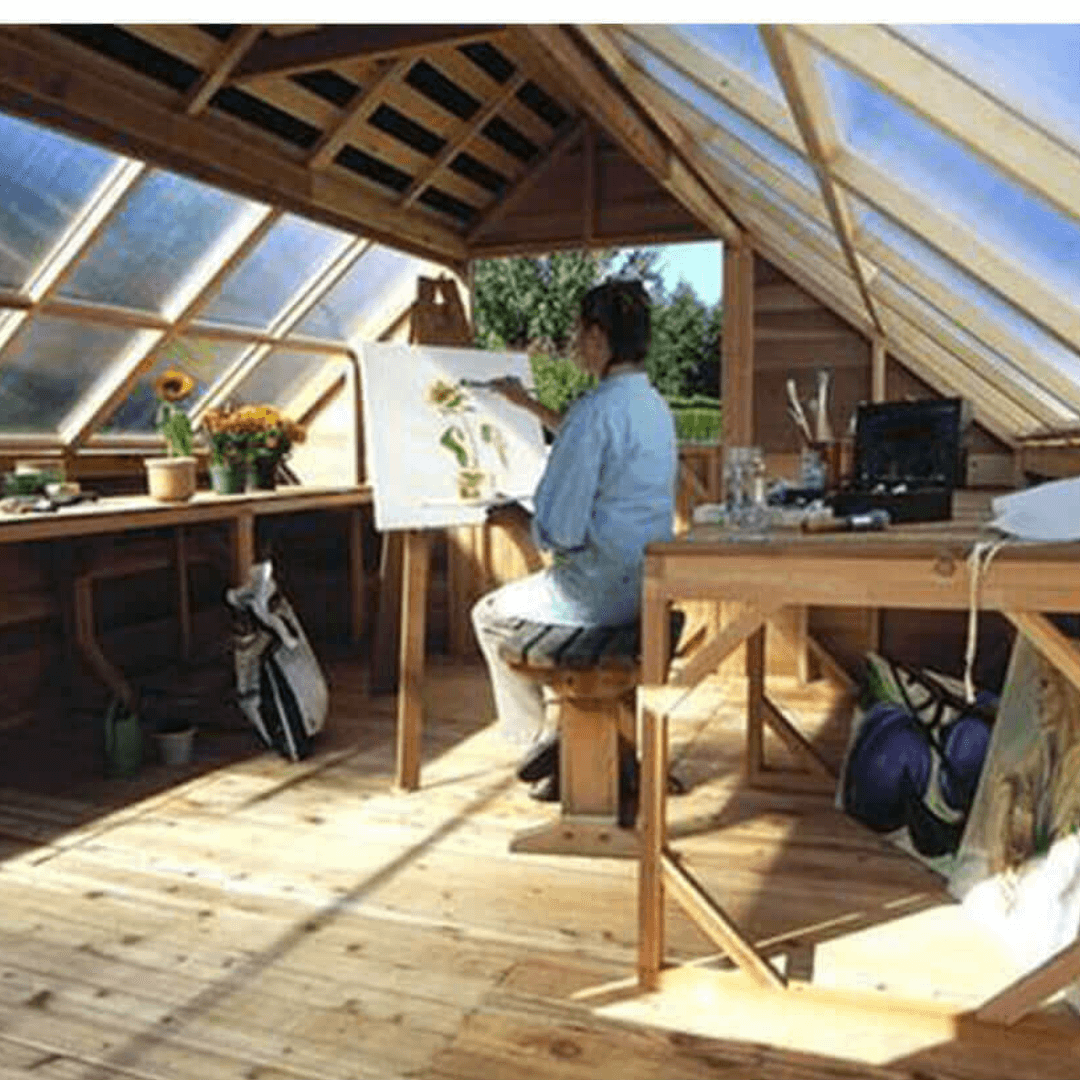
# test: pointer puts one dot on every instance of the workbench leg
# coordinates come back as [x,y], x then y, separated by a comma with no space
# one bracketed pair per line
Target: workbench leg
[86,639]
[243,548]
[755,705]
[183,598]
[357,577]
[655,638]
[415,571]
[386,646]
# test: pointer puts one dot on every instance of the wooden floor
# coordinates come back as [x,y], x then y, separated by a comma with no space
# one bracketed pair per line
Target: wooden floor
[249,919]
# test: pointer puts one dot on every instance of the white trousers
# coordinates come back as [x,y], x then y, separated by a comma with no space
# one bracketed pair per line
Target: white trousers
[519,701]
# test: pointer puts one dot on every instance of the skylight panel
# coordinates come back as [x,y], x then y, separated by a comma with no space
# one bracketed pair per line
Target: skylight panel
[968,290]
[356,299]
[956,182]
[164,232]
[204,360]
[1035,69]
[739,45]
[291,254]
[279,377]
[45,180]
[746,130]
[51,363]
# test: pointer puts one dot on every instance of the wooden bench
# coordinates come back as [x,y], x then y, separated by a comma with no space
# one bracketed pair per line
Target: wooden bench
[593,673]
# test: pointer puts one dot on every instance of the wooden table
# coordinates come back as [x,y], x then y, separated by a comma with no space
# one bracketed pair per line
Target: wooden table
[924,566]
[124,514]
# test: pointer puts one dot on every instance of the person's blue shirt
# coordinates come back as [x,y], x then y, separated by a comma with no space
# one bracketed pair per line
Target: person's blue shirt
[607,490]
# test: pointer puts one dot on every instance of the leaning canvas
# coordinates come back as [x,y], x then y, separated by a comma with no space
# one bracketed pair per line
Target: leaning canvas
[440,450]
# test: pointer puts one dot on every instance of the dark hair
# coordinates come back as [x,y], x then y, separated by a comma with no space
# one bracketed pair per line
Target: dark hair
[621,309]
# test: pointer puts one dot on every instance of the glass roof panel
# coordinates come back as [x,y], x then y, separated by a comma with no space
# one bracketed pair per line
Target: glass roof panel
[1033,68]
[164,231]
[204,360]
[50,363]
[342,313]
[740,46]
[45,180]
[1006,371]
[291,254]
[955,181]
[748,131]
[961,284]
[279,377]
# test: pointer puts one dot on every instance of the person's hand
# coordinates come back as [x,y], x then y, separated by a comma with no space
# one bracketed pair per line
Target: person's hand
[511,388]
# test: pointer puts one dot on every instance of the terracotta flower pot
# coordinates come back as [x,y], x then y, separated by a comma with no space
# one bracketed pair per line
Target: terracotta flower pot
[171,479]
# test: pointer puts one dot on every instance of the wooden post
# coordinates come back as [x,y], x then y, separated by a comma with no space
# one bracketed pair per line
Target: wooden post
[656,647]
[357,577]
[243,547]
[415,571]
[755,704]
[384,651]
[183,599]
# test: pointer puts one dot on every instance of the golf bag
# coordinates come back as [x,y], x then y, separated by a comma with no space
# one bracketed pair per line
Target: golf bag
[281,687]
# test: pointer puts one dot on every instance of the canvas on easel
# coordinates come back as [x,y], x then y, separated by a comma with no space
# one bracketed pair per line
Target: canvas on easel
[440,448]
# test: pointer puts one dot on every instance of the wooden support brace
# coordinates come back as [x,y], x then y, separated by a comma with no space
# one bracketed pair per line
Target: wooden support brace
[795,741]
[1035,987]
[1061,651]
[829,664]
[720,644]
[716,924]
[415,573]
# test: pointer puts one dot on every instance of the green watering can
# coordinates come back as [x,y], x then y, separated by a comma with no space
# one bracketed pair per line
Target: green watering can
[123,740]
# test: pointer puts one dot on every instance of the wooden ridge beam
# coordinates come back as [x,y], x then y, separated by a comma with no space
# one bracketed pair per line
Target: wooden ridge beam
[971,115]
[40,78]
[614,111]
[809,105]
[329,44]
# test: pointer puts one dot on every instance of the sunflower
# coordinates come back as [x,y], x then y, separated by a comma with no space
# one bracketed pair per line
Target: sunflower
[173,385]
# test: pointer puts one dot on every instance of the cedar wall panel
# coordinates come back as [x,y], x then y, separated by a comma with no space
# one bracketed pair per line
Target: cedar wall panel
[795,337]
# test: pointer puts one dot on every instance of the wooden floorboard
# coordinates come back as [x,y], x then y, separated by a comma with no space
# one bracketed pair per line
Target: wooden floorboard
[244,918]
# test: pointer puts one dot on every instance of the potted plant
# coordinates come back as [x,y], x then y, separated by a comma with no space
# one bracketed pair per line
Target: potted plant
[228,452]
[270,438]
[172,478]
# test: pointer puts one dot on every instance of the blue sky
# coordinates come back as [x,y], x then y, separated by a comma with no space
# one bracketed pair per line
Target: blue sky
[698,264]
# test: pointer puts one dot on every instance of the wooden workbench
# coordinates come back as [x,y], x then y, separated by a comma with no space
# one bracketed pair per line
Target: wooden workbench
[924,566]
[126,514]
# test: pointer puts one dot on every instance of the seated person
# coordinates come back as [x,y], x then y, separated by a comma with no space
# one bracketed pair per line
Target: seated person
[607,491]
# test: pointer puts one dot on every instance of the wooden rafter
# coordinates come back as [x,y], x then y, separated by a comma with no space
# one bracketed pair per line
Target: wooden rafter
[455,146]
[98,406]
[590,206]
[960,243]
[358,112]
[125,111]
[614,111]
[712,74]
[329,44]
[232,52]
[794,66]
[498,210]
[872,252]
[970,114]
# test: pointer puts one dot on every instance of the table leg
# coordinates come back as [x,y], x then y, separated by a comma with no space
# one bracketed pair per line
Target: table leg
[243,547]
[183,597]
[357,578]
[415,571]
[755,705]
[655,634]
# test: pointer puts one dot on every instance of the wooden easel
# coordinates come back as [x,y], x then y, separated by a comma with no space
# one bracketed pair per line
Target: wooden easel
[437,317]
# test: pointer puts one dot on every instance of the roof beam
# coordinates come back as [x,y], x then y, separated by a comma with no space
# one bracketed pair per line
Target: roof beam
[330,44]
[616,113]
[128,113]
[455,146]
[806,97]
[356,115]
[957,241]
[969,114]
[719,79]
[232,52]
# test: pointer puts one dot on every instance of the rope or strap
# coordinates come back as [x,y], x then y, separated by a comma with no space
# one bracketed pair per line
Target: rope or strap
[982,553]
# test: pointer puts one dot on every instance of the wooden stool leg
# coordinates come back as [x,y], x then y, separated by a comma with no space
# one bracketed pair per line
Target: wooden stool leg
[589,758]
